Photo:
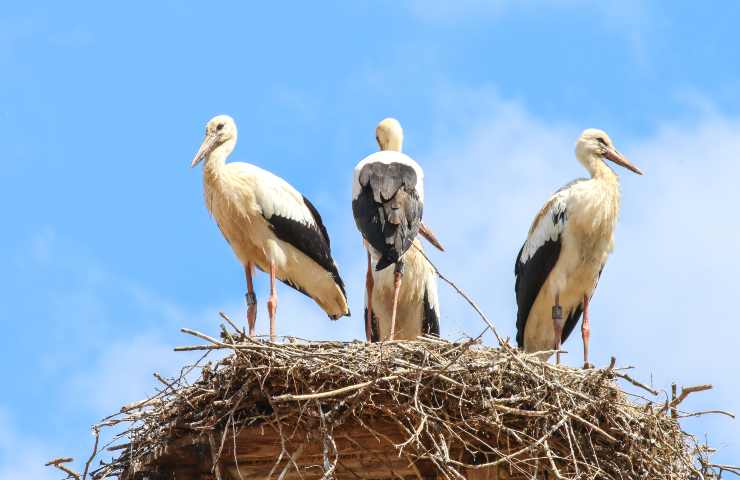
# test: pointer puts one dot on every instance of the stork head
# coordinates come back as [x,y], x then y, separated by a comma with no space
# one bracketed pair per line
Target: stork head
[220,130]
[389,135]
[595,147]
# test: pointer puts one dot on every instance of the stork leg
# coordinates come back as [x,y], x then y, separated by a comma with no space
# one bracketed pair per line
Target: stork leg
[557,319]
[585,332]
[397,275]
[272,301]
[369,284]
[251,299]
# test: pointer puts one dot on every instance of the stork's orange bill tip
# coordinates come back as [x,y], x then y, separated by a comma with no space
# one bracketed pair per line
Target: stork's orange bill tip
[622,161]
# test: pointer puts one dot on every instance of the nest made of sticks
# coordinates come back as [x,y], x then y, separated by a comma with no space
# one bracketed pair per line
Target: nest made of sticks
[458,406]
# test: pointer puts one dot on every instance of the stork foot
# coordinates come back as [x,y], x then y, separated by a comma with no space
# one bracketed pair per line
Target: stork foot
[588,366]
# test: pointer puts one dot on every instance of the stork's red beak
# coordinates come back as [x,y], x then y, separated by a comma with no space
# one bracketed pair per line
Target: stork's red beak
[205,148]
[621,160]
[427,233]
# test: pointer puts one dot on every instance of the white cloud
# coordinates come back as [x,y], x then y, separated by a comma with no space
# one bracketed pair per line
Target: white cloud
[665,302]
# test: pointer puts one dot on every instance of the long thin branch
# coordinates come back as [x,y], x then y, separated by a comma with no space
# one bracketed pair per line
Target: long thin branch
[331,393]
[464,295]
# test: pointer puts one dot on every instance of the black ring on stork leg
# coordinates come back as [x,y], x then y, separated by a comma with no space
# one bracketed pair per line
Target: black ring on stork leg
[251,298]
[557,318]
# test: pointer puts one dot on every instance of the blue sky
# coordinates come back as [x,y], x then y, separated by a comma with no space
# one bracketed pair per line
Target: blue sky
[108,249]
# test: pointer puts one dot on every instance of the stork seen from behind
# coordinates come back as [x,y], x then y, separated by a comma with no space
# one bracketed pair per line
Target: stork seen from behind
[269,225]
[560,263]
[387,203]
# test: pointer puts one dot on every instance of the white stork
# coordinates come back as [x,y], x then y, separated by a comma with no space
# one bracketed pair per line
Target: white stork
[560,263]
[268,224]
[387,202]
[418,304]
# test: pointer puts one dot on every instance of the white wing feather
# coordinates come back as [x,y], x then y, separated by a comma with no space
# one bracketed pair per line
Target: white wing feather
[548,225]
[275,196]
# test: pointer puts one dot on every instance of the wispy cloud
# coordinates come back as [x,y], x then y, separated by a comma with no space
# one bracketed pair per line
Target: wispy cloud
[662,303]
[631,19]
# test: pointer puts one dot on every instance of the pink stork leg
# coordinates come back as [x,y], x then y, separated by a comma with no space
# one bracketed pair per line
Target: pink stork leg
[369,284]
[272,301]
[585,332]
[251,299]
[397,275]
[396,289]
[557,319]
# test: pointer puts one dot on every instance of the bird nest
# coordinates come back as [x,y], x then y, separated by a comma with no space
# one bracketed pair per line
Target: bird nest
[406,409]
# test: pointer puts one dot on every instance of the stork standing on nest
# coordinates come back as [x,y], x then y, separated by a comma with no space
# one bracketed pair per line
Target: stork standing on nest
[387,202]
[418,304]
[269,225]
[560,263]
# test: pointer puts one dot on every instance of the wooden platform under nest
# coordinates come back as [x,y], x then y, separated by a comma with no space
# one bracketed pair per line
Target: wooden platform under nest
[406,409]
[257,450]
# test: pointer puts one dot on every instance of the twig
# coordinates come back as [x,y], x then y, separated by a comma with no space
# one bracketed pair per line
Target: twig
[59,463]
[636,383]
[708,412]
[233,325]
[93,454]
[331,393]
[686,391]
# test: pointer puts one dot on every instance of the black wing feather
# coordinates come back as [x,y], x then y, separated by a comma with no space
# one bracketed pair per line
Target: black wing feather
[572,321]
[312,240]
[388,210]
[430,324]
[530,277]
[374,329]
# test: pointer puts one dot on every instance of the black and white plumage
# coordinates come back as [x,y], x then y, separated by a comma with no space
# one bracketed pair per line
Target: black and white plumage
[418,303]
[561,261]
[388,203]
[269,225]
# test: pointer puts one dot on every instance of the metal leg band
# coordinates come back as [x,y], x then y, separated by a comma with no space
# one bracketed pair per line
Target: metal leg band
[251,299]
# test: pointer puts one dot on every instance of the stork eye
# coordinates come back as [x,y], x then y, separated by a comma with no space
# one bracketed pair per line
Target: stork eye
[220,126]
[601,141]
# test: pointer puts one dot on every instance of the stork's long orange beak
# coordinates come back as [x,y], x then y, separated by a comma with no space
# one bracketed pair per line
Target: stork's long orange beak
[427,233]
[621,160]
[205,148]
